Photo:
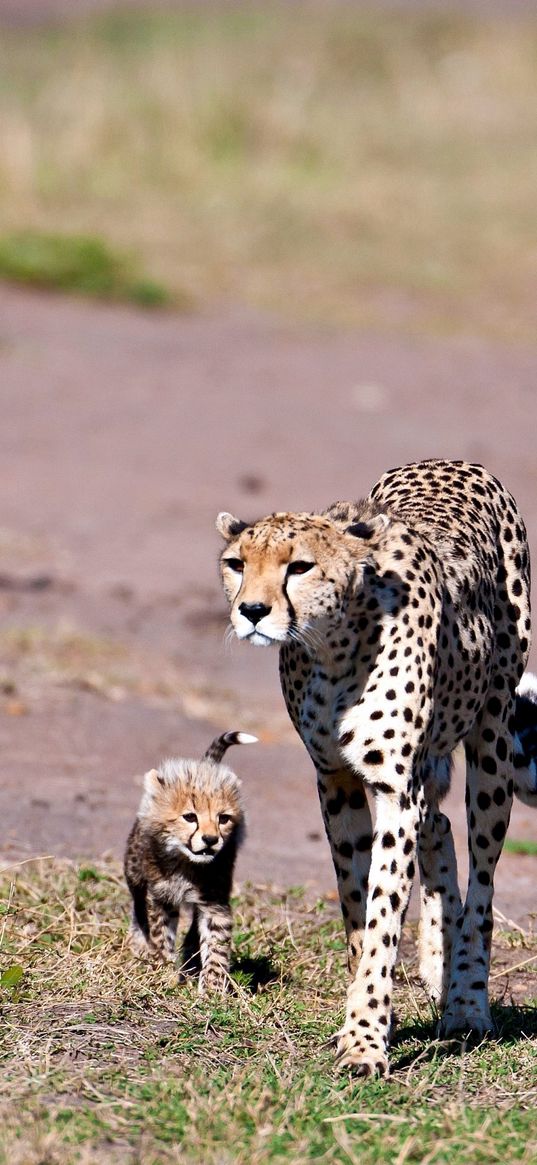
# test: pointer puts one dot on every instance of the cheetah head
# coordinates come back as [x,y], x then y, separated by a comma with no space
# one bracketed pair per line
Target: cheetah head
[289,576]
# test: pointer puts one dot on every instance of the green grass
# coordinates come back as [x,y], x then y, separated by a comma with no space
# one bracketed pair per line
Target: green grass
[520,847]
[74,263]
[104,1059]
[360,167]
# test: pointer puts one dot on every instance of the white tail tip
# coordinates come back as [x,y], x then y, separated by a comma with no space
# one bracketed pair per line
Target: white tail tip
[528,686]
[246,738]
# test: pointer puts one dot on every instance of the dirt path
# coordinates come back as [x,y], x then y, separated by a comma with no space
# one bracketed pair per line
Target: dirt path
[122,435]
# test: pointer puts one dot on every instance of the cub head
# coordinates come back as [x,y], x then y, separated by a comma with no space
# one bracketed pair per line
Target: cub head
[193,808]
[286,575]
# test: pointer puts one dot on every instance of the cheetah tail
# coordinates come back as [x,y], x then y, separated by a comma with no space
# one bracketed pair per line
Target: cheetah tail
[525,737]
[218,747]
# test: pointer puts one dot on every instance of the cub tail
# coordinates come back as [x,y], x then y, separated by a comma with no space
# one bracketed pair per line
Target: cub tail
[525,738]
[218,747]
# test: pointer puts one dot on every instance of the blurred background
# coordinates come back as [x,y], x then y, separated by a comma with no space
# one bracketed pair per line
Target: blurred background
[251,255]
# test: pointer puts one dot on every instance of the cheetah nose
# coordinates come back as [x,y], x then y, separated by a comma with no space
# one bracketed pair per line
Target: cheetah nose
[254,611]
[209,839]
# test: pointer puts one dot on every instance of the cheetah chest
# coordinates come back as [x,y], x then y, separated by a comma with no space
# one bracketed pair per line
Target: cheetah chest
[317,700]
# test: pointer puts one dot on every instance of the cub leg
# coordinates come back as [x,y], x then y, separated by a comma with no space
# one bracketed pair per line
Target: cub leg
[191,961]
[162,926]
[139,929]
[214,922]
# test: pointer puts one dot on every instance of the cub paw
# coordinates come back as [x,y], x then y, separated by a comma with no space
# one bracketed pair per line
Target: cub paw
[213,984]
[359,1057]
[138,943]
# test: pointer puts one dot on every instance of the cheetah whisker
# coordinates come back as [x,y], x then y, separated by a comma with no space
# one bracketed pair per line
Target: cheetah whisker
[229,637]
[308,638]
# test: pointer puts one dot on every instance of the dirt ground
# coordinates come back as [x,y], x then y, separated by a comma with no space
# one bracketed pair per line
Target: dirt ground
[122,435]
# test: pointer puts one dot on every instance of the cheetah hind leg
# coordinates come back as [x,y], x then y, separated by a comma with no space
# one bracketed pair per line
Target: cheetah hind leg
[489,795]
[440,904]
[439,890]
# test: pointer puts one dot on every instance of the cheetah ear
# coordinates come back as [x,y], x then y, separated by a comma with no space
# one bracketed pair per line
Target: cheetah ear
[229,527]
[153,781]
[369,528]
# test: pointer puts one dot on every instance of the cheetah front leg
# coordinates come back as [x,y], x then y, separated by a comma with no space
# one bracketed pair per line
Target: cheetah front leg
[348,827]
[363,1040]
[214,923]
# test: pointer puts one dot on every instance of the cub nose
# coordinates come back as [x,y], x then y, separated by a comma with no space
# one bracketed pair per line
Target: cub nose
[254,611]
[209,839]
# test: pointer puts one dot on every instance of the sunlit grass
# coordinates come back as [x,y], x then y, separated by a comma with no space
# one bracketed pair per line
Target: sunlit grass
[321,160]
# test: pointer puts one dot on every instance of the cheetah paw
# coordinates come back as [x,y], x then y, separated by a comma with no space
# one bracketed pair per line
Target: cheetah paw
[359,1058]
[458,1022]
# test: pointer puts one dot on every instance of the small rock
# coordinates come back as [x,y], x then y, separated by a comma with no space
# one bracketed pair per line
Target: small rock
[16,708]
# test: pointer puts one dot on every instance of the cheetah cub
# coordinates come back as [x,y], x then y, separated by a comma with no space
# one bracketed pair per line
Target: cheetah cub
[181,851]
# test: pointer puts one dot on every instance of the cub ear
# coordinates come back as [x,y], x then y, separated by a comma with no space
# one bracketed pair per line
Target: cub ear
[229,527]
[369,528]
[153,781]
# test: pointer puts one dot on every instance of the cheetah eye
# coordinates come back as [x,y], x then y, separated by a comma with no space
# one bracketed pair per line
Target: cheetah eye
[193,817]
[223,818]
[299,567]
[235,564]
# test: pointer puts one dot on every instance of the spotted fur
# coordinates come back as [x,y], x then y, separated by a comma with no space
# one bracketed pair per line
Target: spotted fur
[181,851]
[403,623]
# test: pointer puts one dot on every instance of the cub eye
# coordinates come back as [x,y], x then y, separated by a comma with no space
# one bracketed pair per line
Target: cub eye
[299,567]
[224,818]
[235,564]
[190,817]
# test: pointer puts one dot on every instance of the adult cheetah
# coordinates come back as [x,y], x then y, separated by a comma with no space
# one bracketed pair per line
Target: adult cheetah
[403,622]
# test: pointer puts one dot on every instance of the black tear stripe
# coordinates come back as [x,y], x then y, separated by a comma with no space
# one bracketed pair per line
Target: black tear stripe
[290,609]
